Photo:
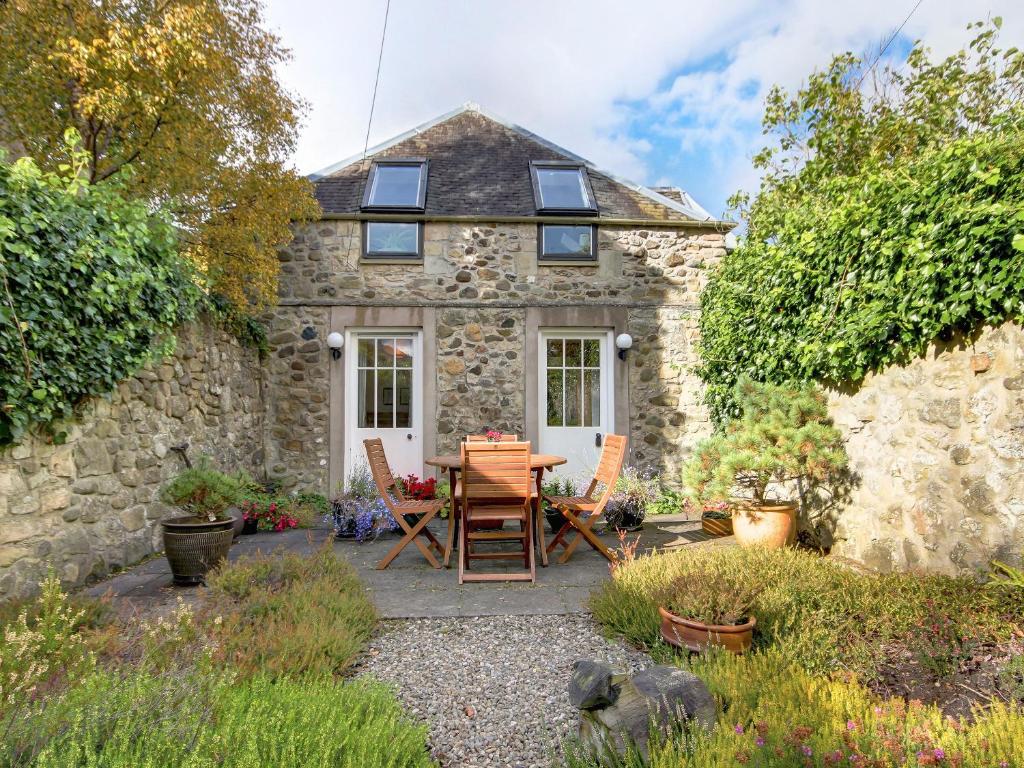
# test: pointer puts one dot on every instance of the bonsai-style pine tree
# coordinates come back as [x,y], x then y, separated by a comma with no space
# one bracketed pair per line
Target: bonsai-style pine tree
[783,434]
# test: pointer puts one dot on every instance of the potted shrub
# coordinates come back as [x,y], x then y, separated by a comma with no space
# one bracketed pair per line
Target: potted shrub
[783,441]
[200,539]
[627,507]
[358,512]
[715,610]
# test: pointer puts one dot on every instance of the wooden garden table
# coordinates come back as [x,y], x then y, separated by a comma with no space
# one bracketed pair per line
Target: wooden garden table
[538,463]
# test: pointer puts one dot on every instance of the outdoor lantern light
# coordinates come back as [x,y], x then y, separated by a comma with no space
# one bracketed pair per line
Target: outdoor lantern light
[335,341]
[623,342]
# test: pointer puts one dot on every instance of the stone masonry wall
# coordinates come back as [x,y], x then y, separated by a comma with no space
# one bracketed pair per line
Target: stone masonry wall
[938,446]
[91,505]
[480,379]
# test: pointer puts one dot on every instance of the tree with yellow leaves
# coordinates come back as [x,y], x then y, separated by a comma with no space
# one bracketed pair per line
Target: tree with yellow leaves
[179,100]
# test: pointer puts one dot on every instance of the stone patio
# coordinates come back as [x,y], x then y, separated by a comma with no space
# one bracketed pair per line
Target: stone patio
[410,588]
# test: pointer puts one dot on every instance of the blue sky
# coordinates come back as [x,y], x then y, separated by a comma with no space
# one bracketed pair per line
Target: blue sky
[658,91]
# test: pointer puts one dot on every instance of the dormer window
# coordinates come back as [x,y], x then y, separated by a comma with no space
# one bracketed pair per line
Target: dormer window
[396,185]
[561,188]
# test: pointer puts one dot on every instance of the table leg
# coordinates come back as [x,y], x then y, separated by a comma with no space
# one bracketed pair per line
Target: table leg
[539,519]
[452,519]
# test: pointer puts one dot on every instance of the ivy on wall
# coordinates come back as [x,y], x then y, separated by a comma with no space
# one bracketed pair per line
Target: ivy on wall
[882,224]
[91,288]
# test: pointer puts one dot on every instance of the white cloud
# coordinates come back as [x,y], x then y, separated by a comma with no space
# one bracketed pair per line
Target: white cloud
[590,75]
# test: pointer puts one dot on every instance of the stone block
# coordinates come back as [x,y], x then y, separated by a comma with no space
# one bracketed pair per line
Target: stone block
[92,457]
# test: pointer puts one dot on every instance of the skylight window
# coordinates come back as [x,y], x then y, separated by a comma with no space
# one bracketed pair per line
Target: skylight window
[561,188]
[397,185]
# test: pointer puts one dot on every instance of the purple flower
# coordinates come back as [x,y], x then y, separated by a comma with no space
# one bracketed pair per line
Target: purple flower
[738,728]
[759,741]
[807,750]
[851,726]
[939,753]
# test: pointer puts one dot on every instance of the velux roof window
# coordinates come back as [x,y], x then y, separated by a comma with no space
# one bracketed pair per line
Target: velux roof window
[561,188]
[396,185]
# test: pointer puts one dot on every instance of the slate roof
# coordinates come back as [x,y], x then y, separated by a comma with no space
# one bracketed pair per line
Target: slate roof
[479,165]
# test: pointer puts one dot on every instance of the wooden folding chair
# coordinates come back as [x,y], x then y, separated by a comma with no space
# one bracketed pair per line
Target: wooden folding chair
[403,509]
[581,512]
[496,486]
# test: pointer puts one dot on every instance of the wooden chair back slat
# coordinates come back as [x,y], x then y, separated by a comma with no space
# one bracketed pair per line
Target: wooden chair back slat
[496,470]
[483,439]
[387,486]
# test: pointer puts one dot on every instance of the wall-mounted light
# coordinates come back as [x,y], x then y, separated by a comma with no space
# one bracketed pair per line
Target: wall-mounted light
[335,341]
[623,342]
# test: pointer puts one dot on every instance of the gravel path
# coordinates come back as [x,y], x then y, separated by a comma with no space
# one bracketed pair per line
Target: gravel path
[493,689]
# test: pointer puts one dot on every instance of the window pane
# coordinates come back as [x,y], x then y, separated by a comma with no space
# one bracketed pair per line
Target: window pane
[396,185]
[398,238]
[562,240]
[591,398]
[403,353]
[366,353]
[592,353]
[572,353]
[385,353]
[573,399]
[555,352]
[403,399]
[385,398]
[366,386]
[562,188]
[555,412]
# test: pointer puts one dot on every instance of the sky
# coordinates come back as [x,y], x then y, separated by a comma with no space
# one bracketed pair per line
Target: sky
[662,92]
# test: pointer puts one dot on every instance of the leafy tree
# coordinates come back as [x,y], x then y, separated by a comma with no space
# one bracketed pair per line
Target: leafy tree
[183,93]
[890,213]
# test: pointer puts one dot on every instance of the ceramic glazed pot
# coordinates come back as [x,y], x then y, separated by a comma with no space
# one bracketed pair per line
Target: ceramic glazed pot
[194,546]
[770,526]
[696,636]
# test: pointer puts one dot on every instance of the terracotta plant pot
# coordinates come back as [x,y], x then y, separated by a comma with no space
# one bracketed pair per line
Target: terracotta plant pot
[195,546]
[696,636]
[716,526]
[769,526]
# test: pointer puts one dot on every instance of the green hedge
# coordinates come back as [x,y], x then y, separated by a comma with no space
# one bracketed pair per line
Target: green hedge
[91,287]
[867,269]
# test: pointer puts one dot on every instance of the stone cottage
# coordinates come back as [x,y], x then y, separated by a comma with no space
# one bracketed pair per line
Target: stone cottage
[478,276]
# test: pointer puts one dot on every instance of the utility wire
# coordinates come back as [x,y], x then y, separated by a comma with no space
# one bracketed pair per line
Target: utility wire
[887,43]
[376,80]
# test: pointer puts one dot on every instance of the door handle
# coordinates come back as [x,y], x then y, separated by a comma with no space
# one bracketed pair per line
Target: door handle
[409,436]
[597,440]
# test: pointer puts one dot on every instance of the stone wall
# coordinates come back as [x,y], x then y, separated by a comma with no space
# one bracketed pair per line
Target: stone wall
[938,450]
[90,505]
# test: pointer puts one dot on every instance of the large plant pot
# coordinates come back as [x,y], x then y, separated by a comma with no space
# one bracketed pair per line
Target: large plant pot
[555,519]
[769,526]
[239,524]
[194,546]
[625,517]
[696,636]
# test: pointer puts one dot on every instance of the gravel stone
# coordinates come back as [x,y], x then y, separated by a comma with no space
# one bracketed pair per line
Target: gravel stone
[493,689]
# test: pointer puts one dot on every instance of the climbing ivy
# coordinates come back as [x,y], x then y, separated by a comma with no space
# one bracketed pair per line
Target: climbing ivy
[883,223]
[91,288]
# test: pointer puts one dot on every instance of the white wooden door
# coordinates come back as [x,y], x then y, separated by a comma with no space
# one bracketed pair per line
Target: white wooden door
[575,397]
[384,394]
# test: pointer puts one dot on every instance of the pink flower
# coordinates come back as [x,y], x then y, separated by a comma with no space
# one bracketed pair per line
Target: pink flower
[738,728]
[759,741]
[939,753]
[851,726]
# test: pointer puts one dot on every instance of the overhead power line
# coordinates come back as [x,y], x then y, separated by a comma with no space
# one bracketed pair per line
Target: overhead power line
[376,80]
[888,42]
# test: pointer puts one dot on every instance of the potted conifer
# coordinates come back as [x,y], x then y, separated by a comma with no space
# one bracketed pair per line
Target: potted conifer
[198,540]
[782,441]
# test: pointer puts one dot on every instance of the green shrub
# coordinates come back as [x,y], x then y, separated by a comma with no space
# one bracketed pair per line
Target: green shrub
[783,433]
[290,614]
[91,289]
[198,720]
[825,615]
[203,492]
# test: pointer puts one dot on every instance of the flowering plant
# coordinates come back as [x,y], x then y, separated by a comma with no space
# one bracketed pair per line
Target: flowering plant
[269,515]
[420,490]
[493,436]
[360,512]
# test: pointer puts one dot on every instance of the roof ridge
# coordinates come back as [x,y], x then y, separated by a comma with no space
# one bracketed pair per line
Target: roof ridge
[694,210]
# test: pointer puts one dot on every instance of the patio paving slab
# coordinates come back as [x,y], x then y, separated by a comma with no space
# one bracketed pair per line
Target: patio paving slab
[410,588]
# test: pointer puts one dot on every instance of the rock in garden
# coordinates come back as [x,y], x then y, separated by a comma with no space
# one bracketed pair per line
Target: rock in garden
[654,700]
